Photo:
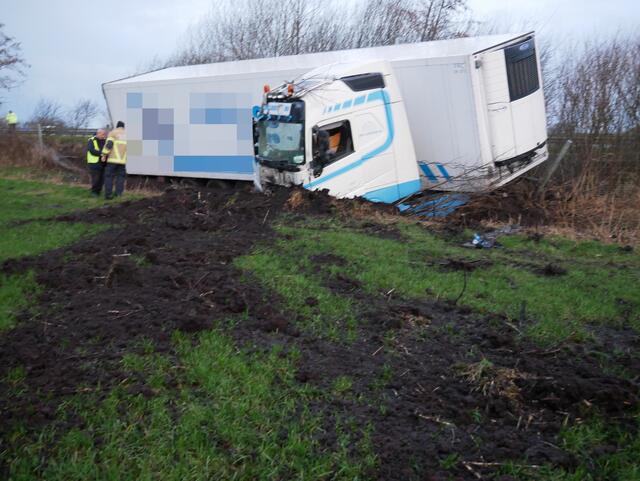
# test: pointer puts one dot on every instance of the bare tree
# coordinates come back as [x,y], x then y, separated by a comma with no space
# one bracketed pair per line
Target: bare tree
[82,113]
[12,64]
[245,29]
[402,21]
[598,88]
[628,86]
[48,113]
[597,101]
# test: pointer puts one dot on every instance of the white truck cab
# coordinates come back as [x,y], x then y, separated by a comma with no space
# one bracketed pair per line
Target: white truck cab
[343,128]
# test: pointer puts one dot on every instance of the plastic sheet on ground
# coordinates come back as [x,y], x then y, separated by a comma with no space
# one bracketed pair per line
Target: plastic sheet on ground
[440,206]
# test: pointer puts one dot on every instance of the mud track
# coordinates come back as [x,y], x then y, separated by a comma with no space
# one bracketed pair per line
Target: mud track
[432,379]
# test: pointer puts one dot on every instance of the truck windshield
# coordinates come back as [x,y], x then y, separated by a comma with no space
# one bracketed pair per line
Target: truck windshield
[281,142]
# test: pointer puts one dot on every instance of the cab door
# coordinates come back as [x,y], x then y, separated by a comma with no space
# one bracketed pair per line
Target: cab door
[360,153]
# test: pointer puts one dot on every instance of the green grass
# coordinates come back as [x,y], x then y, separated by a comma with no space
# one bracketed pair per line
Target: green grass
[605,452]
[28,199]
[342,385]
[212,410]
[42,236]
[333,316]
[17,292]
[566,249]
[599,286]
[231,416]
[21,202]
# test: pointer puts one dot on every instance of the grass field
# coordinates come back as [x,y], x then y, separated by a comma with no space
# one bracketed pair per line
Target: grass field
[551,290]
[251,431]
[508,281]
[26,208]
[212,409]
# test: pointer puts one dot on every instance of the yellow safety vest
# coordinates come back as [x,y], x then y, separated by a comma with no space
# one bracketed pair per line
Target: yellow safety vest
[11,118]
[93,159]
[118,152]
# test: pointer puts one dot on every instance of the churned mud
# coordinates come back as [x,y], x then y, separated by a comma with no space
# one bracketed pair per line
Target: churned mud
[431,379]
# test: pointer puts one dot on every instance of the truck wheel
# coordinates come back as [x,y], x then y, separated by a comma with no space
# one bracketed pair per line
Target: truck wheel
[219,184]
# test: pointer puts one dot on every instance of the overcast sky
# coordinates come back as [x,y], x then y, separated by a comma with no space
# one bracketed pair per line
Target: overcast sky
[73,46]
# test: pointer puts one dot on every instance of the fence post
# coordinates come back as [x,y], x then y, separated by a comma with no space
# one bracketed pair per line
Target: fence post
[554,165]
[40,143]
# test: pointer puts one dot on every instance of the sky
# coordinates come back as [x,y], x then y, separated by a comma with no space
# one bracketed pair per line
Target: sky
[73,46]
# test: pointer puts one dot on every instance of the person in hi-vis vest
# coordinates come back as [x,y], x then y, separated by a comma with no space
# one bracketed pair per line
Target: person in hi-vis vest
[96,166]
[12,120]
[115,154]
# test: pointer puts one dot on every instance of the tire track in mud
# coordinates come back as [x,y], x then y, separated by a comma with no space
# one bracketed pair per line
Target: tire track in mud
[167,265]
[461,383]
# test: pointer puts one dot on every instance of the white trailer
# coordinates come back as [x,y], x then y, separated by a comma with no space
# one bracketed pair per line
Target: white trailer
[473,114]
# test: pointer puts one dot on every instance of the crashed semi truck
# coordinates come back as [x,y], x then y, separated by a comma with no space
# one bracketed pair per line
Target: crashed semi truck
[462,115]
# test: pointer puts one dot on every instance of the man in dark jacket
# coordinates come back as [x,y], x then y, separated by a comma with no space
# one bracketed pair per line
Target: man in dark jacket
[95,164]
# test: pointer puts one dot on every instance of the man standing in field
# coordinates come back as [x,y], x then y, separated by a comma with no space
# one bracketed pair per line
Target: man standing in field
[12,120]
[115,155]
[96,166]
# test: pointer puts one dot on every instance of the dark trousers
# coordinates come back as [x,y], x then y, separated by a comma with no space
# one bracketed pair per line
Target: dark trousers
[117,172]
[97,177]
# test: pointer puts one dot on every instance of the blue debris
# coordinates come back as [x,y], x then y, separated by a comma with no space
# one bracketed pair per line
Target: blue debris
[440,206]
[482,243]
[489,240]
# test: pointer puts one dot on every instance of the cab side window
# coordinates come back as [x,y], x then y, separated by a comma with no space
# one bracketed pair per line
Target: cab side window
[332,142]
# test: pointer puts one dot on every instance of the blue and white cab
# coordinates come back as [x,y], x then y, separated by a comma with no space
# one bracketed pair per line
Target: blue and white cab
[341,127]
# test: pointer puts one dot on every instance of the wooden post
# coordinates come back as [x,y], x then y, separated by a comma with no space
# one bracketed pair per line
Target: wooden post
[554,165]
[40,142]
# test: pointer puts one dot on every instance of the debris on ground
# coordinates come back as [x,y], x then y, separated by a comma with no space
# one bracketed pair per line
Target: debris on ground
[489,240]
[436,205]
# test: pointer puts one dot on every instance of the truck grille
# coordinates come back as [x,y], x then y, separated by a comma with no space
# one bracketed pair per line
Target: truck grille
[522,69]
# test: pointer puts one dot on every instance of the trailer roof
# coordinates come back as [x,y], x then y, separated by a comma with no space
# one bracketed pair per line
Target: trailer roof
[433,49]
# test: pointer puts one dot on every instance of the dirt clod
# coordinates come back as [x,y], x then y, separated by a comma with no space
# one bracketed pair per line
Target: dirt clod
[552,270]
[464,264]
[122,272]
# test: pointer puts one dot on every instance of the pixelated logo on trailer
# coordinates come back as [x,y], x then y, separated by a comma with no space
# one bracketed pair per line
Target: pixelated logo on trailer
[150,129]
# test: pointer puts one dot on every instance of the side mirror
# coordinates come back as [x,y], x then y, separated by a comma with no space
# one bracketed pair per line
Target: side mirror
[316,168]
[317,163]
[320,151]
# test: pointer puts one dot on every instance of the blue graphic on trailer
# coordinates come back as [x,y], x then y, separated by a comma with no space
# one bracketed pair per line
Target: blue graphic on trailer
[426,170]
[443,171]
[213,163]
[429,174]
